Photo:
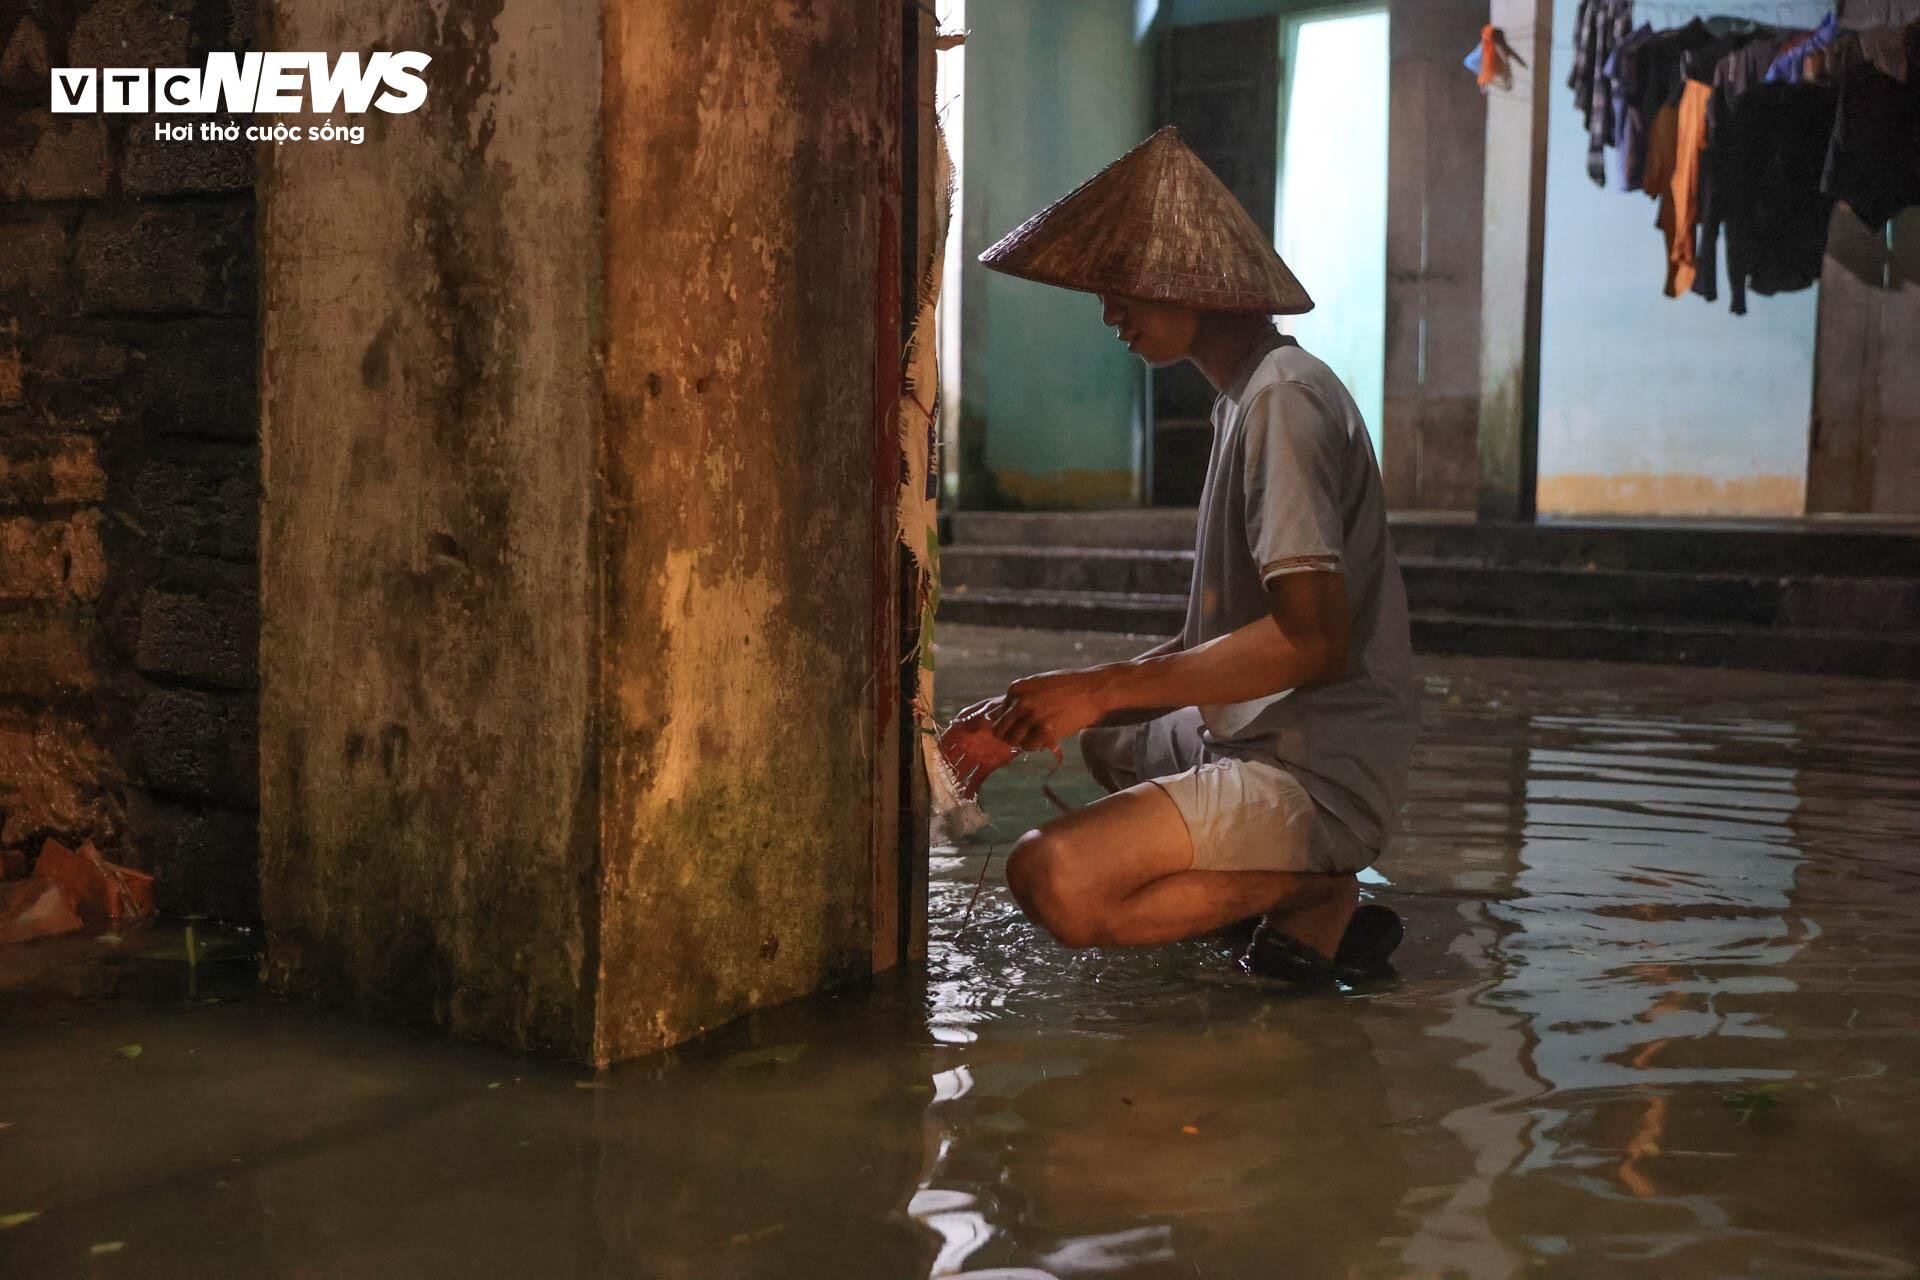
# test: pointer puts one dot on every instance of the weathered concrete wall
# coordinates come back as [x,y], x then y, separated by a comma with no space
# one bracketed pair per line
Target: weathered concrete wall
[571,550]
[1437,146]
[128,463]
[746,146]
[432,418]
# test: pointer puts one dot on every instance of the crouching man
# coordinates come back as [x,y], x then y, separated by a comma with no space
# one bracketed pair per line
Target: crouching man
[1256,761]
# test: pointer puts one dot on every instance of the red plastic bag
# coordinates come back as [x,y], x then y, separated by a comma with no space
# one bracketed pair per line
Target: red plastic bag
[104,895]
[34,909]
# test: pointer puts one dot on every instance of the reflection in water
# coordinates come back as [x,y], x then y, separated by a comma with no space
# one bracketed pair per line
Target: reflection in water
[1655,870]
[1659,1010]
[1613,944]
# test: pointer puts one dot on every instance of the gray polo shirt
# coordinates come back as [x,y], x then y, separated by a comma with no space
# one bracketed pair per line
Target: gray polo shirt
[1292,486]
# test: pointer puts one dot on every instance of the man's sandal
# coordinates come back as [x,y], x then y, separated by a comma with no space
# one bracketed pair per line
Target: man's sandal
[1365,951]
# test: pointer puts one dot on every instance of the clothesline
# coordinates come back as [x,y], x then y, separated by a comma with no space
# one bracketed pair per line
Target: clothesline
[1775,12]
[1749,129]
[1785,10]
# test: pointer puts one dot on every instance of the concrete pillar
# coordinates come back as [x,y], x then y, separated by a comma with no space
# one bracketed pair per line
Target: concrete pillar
[1514,229]
[1864,452]
[1863,455]
[575,468]
[1437,140]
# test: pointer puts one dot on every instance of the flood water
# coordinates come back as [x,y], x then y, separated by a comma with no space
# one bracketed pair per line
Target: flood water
[1658,1013]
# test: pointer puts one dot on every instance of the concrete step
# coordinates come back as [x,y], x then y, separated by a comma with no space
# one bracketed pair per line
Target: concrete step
[1479,590]
[1812,547]
[1777,549]
[1162,528]
[1823,651]
[1530,593]
[1839,597]
[1885,654]
[1155,615]
[1150,570]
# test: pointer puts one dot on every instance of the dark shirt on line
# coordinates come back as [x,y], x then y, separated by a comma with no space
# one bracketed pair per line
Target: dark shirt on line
[1732,75]
[1770,198]
[1873,157]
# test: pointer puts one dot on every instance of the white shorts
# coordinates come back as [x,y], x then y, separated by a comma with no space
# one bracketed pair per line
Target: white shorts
[1243,813]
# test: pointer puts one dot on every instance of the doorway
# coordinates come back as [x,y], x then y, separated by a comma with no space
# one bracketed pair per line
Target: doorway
[1218,84]
[1332,223]
[1291,113]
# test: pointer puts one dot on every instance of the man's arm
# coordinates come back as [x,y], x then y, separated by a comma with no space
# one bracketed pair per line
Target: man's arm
[989,708]
[1295,449]
[1302,642]
[1121,718]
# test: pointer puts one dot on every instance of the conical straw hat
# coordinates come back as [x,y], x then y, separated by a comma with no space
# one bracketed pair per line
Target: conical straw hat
[1155,224]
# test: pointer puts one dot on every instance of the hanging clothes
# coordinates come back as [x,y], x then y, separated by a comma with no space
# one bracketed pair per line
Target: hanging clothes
[1660,76]
[1734,74]
[1699,65]
[1598,26]
[1629,126]
[1873,157]
[1769,194]
[1747,136]
[1892,50]
[1790,66]
[1679,216]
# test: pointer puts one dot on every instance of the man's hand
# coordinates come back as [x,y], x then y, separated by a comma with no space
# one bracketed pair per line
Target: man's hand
[972,751]
[976,716]
[1041,710]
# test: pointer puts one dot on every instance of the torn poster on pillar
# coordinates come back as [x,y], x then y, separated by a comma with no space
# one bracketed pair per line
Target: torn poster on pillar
[955,814]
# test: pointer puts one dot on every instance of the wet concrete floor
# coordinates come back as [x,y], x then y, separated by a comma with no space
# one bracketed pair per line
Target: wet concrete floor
[1659,1011]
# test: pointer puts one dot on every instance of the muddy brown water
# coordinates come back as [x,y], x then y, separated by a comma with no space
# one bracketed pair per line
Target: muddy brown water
[1658,1014]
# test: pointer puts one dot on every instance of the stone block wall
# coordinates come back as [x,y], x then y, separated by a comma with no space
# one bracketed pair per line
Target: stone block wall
[129,463]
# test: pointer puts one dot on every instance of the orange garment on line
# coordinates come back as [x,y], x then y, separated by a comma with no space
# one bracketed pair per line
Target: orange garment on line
[1663,141]
[1679,216]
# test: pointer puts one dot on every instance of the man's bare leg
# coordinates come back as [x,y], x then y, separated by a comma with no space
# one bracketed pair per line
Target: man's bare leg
[1118,873]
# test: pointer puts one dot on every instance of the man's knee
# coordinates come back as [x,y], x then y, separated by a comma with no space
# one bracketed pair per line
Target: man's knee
[1040,872]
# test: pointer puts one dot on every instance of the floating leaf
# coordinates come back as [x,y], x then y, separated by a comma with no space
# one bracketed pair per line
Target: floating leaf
[105,1247]
[772,1055]
[128,1051]
[8,1221]
[590,1084]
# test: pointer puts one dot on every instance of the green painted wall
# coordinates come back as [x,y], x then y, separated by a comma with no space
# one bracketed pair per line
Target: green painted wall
[1186,13]
[1051,407]
[1050,403]
[1191,13]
